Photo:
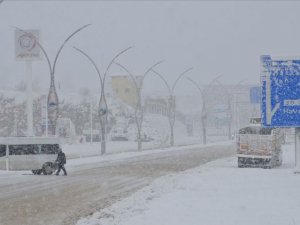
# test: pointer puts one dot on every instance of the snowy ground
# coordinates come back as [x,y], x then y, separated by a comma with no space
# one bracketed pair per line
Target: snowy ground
[217,193]
[93,182]
[113,147]
[84,156]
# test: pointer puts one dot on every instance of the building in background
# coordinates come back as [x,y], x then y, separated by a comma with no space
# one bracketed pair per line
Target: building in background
[124,89]
[156,105]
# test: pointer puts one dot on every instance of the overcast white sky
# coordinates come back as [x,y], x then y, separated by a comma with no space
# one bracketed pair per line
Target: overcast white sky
[216,38]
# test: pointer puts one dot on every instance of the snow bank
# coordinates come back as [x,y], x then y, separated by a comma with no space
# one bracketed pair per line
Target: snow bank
[217,193]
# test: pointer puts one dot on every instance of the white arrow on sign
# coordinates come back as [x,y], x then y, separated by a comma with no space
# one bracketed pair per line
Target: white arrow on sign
[269,111]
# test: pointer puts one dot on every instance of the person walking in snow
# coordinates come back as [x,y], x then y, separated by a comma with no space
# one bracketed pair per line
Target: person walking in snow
[61,161]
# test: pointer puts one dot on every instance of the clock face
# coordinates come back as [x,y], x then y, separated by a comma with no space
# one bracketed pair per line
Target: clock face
[27,42]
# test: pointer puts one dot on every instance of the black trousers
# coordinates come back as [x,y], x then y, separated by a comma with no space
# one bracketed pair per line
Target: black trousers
[61,167]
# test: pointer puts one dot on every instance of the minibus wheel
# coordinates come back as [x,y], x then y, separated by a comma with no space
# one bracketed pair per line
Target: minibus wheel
[48,168]
[36,172]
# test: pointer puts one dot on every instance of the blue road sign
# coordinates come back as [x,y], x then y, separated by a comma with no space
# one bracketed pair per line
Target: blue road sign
[255,95]
[280,92]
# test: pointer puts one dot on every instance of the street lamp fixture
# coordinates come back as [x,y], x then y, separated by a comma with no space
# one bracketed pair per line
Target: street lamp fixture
[229,100]
[171,101]
[203,111]
[139,112]
[103,109]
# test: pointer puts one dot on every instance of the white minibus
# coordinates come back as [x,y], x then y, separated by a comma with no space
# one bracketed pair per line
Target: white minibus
[29,153]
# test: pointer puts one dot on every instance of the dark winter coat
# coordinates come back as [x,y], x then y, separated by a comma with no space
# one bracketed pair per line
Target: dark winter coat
[61,158]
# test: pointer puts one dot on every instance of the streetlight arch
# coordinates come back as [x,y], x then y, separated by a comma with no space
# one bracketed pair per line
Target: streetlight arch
[93,62]
[179,77]
[203,111]
[171,103]
[139,113]
[229,99]
[52,100]
[102,102]
[52,67]
[144,75]
[112,61]
[164,80]
[64,43]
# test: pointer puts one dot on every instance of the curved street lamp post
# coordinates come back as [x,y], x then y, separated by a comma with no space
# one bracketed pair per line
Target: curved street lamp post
[203,111]
[229,100]
[139,112]
[103,109]
[171,102]
[52,100]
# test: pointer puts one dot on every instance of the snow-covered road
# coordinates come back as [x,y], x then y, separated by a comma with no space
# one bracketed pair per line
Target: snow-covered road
[93,183]
[216,193]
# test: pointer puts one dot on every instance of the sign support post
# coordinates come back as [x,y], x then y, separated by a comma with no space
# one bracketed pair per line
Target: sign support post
[91,121]
[46,112]
[29,98]
[297,150]
[6,158]
[26,49]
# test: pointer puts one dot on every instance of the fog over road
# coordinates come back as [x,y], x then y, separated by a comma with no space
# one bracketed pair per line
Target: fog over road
[33,200]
